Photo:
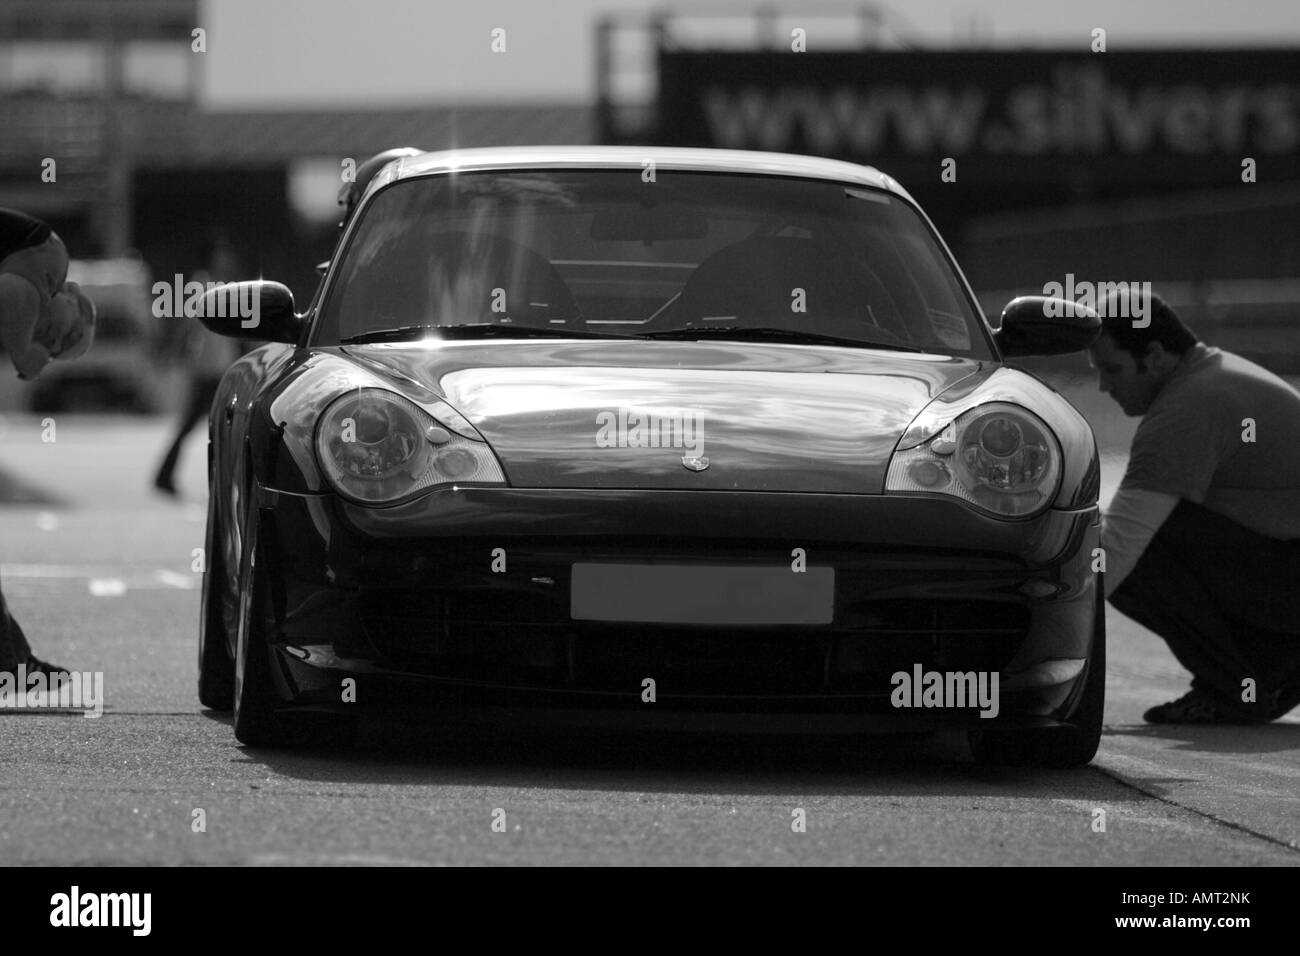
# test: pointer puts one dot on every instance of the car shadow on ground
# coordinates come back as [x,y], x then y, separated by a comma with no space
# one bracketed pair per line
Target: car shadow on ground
[389,752]
[1223,739]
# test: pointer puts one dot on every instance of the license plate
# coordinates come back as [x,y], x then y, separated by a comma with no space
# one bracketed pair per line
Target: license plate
[713,594]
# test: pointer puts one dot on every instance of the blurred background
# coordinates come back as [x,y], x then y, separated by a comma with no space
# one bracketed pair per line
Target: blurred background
[210,136]
[156,150]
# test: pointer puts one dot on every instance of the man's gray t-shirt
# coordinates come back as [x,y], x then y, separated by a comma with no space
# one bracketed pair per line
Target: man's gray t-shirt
[1195,442]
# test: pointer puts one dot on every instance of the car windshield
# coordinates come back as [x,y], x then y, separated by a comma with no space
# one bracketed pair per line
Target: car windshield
[670,255]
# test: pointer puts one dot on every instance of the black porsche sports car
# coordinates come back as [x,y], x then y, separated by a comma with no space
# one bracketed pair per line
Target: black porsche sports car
[650,438]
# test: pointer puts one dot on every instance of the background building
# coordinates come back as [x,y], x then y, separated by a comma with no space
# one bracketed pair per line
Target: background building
[1178,166]
[1123,164]
[111,91]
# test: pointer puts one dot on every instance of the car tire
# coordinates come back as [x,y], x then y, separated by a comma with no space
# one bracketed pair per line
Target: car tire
[216,669]
[258,719]
[1071,746]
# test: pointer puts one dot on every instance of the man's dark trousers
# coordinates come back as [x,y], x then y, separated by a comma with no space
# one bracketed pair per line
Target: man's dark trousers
[1227,602]
[13,642]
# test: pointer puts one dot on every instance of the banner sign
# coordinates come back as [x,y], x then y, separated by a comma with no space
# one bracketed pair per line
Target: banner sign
[1173,117]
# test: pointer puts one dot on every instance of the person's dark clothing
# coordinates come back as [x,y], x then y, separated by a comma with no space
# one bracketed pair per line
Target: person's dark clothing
[1226,600]
[14,649]
[202,390]
[18,231]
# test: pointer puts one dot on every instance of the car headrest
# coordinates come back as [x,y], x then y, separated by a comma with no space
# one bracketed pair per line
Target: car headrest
[451,277]
[480,264]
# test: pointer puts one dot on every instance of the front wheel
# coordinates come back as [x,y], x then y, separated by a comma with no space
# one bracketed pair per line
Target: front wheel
[216,669]
[1071,746]
[259,721]
[256,721]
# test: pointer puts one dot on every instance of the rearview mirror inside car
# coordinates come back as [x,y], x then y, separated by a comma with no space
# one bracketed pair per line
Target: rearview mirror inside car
[636,223]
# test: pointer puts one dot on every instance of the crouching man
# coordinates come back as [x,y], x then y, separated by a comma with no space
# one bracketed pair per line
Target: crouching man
[1202,539]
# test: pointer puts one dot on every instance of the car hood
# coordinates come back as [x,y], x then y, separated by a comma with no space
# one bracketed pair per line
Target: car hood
[673,415]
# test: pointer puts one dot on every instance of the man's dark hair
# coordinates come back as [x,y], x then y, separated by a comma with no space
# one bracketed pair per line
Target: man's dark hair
[1165,327]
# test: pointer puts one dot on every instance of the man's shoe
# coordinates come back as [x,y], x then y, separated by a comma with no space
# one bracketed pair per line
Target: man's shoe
[1283,700]
[1197,707]
[165,484]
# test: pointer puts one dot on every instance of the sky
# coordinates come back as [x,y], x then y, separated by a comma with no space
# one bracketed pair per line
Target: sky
[302,53]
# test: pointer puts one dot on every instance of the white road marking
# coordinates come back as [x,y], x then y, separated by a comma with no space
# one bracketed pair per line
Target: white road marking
[331,859]
[105,580]
[57,570]
[186,582]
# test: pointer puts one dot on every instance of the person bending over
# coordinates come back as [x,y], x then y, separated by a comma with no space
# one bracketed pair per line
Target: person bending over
[42,318]
[1202,539]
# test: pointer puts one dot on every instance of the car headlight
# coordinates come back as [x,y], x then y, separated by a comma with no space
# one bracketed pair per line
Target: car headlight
[376,447]
[999,457]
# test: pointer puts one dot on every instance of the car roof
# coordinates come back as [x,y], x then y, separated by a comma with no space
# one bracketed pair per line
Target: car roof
[635,157]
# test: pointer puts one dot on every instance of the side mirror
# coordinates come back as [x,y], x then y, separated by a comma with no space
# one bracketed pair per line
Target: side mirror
[1041,325]
[258,310]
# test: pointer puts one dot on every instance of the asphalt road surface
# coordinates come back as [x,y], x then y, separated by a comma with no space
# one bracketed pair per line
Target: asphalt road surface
[98,569]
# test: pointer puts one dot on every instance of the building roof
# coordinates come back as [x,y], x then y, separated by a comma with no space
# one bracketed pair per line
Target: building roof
[80,131]
[243,137]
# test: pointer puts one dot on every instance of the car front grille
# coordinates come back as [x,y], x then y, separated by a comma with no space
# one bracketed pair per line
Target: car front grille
[528,640]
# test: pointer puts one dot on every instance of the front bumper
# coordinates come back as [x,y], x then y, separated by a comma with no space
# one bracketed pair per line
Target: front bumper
[406,601]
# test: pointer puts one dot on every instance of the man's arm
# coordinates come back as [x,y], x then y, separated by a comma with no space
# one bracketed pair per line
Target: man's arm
[32,362]
[1180,444]
[1131,521]
[20,309]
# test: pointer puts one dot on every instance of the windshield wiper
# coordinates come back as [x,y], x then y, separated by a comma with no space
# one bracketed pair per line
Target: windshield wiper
[775,335]
[386,335]
[469,330]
